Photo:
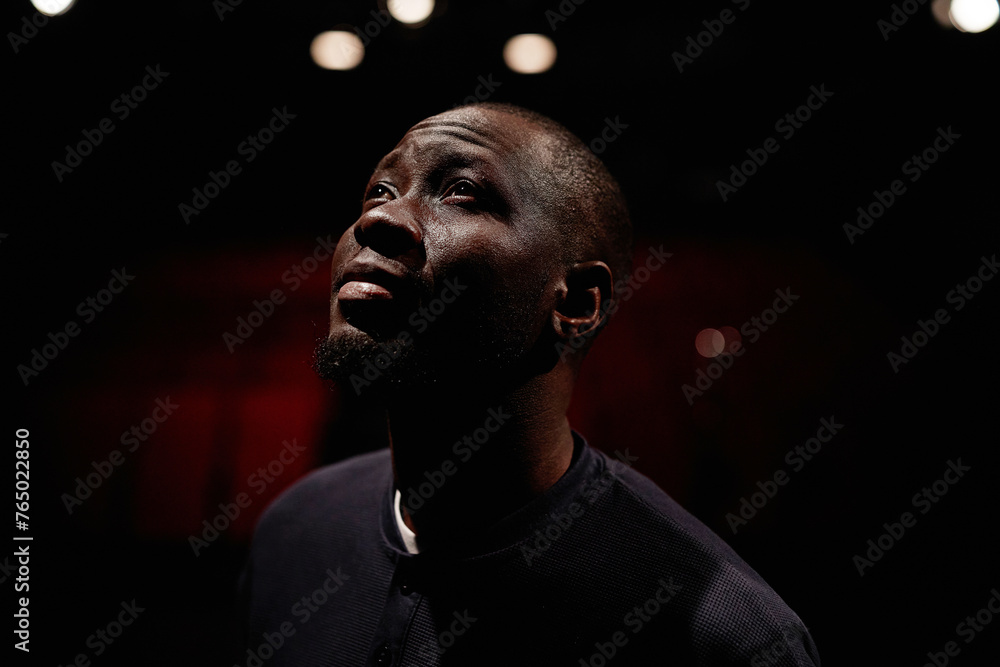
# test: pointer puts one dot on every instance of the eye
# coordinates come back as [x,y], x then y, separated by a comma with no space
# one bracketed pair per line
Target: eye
[463,191]
[379,191]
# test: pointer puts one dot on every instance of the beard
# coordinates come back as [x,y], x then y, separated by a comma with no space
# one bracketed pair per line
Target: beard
[466,350]
[356,360]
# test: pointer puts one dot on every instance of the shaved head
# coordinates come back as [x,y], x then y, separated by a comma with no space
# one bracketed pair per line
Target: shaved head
[580,195]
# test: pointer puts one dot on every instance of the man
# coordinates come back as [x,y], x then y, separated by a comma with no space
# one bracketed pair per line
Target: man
[464,299]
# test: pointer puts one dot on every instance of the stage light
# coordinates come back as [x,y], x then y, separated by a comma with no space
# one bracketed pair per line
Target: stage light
[974,15]
[337,49]
[410,11]
[939,10]
[731,336]
[529,54]
[52,7]
[709,343]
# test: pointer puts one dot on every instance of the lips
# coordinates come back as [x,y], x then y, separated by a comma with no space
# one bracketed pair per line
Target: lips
[370,282]
[360,290]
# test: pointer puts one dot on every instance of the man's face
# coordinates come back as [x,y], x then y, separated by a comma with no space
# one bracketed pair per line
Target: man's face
[448,273]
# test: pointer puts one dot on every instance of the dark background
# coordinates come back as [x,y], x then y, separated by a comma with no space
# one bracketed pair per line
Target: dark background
[162,336]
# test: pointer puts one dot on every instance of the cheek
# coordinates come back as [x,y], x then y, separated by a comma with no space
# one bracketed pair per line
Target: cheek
[507,278]
[494,259]
[528,262]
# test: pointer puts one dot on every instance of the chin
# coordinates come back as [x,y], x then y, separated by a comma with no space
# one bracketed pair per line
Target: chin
[443,359]
[364,365]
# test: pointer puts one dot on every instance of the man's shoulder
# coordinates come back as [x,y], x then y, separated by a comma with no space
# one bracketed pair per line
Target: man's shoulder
[332,490]
[654,510]
[729,608]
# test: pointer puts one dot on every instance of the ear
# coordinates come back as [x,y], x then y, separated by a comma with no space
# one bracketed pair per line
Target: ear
[587,286]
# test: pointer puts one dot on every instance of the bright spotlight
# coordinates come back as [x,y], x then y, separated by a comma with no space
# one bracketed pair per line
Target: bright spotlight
[974,15]
[52,7]
[529,54]
[410,11]
[337,49]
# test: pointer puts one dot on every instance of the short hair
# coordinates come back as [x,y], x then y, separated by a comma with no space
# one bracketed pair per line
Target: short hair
[593,221]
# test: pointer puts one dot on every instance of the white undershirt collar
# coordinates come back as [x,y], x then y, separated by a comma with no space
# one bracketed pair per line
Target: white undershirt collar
[409,537]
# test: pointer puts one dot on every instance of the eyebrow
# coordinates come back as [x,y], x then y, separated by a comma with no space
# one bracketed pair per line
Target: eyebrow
[449,159]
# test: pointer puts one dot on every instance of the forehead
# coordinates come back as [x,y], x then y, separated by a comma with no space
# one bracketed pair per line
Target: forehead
[469,137]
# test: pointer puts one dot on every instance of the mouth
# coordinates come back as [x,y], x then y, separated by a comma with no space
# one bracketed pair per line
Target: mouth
[363,290]
[369,282]
[375,297]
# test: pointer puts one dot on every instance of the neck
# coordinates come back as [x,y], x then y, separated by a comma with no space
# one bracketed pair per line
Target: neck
[463,459]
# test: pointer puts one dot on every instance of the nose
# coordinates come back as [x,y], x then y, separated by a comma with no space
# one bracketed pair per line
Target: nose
[389,230]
